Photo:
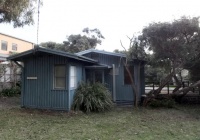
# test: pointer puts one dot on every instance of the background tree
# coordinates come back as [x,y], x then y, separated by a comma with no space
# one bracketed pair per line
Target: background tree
[175,43]
[89,40]
[52,45]
[76,43]
[20,12]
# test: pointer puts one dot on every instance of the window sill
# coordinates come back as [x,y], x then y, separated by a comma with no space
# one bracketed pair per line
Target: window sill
[73,88]
[59,89]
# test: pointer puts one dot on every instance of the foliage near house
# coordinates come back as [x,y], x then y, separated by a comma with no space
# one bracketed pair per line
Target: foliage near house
[20,12]
[10,92]
[89,39]
[173,44]
[92,98]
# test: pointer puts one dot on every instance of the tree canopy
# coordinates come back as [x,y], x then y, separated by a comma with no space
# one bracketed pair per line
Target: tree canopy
[18,12]
[177,42]
[51,45]
[76,43]
[174,44]
[89,40]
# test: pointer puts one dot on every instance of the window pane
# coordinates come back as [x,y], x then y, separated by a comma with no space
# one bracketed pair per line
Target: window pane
[4,45]
[72,69]
[60,76]
[60,82]
[14,47]
[127,79]
[98,76]
[72,82]
[73,77]
[60,71]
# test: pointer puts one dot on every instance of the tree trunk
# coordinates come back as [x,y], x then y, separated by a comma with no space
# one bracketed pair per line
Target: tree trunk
[187,89]
[178,95]
[138,81]
[178,84]
[134,88]
[163,83]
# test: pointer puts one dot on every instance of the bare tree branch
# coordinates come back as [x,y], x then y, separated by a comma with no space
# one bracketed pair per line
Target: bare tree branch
[123,46]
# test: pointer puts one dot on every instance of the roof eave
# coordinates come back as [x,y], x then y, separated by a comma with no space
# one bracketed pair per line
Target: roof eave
[39,49]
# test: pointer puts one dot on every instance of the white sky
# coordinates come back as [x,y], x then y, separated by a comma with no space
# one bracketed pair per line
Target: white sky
[115,18]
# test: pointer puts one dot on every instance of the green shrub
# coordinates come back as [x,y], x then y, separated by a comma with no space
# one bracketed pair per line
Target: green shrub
[10,92]
[92,98]
[169,103]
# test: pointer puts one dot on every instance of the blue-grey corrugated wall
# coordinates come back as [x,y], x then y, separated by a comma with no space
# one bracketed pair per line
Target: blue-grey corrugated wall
[39,93]
[123,92]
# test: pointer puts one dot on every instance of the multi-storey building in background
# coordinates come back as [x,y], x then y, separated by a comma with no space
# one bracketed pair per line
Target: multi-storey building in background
[10,44]
[9,72]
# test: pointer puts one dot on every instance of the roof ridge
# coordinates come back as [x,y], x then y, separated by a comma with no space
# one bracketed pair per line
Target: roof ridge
[100,51]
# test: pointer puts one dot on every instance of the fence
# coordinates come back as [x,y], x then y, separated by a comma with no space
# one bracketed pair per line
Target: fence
[9,80]
[10,74]
[168,88]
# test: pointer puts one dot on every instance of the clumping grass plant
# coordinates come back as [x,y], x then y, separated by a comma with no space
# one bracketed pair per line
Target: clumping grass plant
[10,92]
[92,97]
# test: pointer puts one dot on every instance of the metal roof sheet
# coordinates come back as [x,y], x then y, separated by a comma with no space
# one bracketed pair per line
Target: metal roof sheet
[100,51]
[51,51]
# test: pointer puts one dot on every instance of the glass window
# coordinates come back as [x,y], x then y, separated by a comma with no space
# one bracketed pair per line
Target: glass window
[14,47]
[73,77]
[60,76]
[127,79]
[4,45]
[98,76]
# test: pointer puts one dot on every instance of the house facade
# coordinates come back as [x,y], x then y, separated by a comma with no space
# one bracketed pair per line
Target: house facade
[50,78]
[111,71]
[11,44]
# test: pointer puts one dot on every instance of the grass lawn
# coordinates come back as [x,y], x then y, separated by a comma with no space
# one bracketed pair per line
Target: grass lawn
[180,123]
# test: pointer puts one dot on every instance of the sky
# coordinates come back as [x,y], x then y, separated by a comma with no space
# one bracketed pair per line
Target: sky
[116,19]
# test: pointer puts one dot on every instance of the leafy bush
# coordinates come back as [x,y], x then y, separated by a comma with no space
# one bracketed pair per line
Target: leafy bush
[169,103]
[92,98]
[10,92]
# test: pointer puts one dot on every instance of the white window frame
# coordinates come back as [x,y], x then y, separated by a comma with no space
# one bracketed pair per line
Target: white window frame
[73,77]
[2,41]
[55,77]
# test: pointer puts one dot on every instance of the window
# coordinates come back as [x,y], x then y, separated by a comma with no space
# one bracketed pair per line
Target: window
[4,45]
[127,79]
[14,47]
[59,76]
[73,77]
[98,76]
[94,76]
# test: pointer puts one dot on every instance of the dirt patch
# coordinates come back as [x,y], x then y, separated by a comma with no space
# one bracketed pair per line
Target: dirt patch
[9,102]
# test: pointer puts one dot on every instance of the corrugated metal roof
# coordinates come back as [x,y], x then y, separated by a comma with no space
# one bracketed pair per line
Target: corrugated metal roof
[100,51]
[51,51]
